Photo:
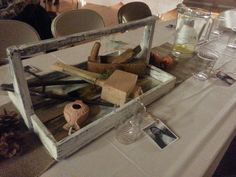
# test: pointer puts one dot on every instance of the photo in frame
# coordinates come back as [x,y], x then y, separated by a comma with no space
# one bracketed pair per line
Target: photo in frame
[225,77]
[160,134]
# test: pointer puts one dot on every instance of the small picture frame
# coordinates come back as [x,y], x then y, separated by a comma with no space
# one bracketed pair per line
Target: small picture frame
[225,77]
[160,134]
[31,69]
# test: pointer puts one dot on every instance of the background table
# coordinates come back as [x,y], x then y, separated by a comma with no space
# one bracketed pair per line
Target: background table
[156,6]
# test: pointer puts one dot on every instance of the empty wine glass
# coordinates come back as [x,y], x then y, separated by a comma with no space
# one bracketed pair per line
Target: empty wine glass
[205,62]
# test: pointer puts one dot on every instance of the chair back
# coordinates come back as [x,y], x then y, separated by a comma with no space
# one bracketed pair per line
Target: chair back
[76,21]
[14,32]
[133,11]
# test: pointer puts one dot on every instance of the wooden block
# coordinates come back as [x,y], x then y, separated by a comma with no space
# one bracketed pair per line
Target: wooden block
[124,57]
[118,87]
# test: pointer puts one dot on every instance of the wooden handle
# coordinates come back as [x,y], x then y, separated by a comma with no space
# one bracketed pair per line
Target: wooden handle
[94,52]
[85,75]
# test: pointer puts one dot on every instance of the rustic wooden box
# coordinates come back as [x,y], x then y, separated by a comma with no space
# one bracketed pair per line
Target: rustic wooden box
[21,97]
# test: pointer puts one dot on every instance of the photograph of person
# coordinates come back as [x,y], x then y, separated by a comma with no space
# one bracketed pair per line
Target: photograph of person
[161,134]
[225,77]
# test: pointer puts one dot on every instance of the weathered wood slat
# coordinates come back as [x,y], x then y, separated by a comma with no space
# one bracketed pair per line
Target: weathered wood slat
[52,44]
[23,100]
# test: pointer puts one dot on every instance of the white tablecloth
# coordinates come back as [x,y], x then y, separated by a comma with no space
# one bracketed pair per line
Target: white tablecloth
[202,114]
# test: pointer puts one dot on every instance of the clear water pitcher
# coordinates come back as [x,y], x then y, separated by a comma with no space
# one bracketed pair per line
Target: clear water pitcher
[193,27]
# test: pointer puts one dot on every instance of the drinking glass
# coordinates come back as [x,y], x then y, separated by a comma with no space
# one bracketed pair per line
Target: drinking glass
[205,62]
[218,25]
[232,39]
[111,44]
[128,131]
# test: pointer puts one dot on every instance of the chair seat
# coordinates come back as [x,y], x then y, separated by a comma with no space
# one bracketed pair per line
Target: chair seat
[133,11]
[14,32]
[76,21]
[108,13]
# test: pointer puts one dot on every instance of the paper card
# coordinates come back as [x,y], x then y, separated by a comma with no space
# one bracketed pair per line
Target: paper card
[32,69]
[225,77]
[160,134]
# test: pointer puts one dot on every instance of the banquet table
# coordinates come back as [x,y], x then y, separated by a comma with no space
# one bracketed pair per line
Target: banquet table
[201,113]
[156,6]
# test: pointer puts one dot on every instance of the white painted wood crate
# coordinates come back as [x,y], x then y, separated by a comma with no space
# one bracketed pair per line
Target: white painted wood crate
[21,97]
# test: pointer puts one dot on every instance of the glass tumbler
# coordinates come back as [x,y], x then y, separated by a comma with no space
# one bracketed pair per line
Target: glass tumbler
[205,63]
[232,39]
[218,25]
[129,130]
